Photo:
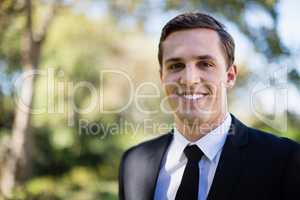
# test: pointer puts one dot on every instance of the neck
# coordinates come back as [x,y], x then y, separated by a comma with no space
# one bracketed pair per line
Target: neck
[197,129]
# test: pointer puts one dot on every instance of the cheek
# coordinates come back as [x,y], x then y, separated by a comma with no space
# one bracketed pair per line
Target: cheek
[170,88]
[170,82]
[216,80]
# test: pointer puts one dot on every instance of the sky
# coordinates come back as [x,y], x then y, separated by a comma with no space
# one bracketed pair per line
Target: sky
[289,28]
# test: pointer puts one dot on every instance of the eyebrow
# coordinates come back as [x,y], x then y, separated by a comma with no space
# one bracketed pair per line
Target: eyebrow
[206,57]
[202,57]
[177,59]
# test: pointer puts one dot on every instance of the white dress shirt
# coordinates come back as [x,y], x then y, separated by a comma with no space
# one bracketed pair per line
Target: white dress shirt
[174,162]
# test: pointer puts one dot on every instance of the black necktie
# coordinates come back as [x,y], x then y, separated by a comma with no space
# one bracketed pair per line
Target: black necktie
[188,189]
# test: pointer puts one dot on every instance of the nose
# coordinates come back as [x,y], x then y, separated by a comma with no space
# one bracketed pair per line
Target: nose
[190,76]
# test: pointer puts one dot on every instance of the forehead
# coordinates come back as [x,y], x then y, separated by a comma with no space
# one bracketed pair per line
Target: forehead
[192,42]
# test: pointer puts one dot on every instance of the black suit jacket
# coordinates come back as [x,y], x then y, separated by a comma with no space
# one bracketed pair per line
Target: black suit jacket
[254,165]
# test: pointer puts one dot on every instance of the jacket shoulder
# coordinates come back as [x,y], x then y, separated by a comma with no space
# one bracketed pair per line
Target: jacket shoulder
[271,143]
[267,137]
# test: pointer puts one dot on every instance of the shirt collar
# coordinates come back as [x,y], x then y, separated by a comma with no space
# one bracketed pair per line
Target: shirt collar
[210,144]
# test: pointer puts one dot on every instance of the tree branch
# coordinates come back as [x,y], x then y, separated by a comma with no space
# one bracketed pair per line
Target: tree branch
[42,32]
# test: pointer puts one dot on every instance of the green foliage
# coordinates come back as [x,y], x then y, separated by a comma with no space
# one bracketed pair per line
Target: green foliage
[79,183]
[10,45]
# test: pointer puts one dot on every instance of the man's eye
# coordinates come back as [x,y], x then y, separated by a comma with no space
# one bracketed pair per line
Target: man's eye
[176,66]
[205,64]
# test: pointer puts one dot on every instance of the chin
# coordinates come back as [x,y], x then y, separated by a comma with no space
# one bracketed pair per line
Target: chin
[193,117]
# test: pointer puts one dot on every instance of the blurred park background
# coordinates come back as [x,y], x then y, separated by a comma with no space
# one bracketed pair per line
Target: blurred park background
[69,70]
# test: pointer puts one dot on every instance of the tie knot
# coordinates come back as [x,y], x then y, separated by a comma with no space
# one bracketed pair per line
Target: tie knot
[193,153]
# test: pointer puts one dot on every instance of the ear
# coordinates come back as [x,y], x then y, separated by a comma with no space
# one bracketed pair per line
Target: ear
[231,76]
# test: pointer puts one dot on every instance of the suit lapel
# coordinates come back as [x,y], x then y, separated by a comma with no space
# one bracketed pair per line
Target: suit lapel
[230,163]
[154,159]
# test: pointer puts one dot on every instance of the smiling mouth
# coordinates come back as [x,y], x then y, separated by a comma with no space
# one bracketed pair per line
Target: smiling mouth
[193,96]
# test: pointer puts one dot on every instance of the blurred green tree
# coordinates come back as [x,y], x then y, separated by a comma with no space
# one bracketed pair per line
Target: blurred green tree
[27,56]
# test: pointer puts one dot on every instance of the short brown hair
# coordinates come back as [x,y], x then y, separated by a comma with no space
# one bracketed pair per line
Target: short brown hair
[198,20]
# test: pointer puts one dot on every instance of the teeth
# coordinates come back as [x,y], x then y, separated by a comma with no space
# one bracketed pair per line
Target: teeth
[194,96]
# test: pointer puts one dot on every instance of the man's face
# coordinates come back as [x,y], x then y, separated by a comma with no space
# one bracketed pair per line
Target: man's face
[195,75]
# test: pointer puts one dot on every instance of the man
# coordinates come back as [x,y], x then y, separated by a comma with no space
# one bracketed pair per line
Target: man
[209,154]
